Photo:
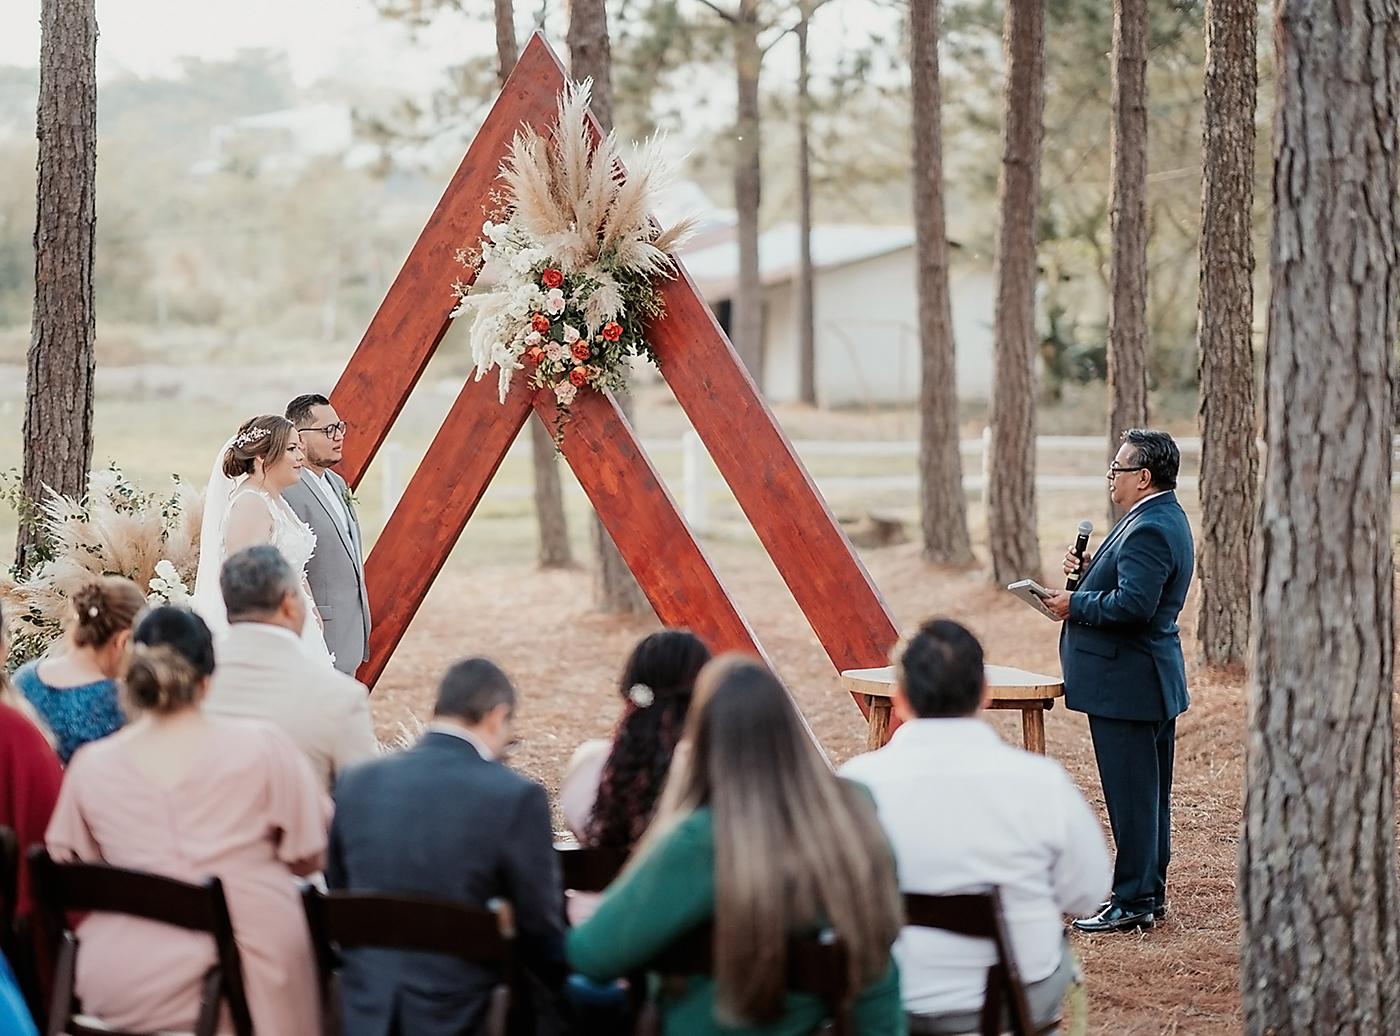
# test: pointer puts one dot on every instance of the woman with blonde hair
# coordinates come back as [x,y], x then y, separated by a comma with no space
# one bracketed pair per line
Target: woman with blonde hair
[190,796]
[755,834]
[75,693]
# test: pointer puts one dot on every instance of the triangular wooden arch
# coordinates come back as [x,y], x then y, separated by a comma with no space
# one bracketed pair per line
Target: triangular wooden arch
[793,522]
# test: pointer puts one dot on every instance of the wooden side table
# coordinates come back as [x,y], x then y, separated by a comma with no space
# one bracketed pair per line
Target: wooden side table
[1031,693]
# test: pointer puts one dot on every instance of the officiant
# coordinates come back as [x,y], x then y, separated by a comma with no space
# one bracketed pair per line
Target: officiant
[322,499]
[1120,651]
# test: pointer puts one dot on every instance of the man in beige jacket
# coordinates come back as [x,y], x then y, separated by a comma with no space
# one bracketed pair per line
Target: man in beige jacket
[263,672]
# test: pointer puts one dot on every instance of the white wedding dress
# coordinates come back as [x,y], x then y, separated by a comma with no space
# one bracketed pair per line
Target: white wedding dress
[292,537]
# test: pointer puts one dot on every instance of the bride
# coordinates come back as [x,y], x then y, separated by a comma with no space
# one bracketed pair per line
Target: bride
[243,507]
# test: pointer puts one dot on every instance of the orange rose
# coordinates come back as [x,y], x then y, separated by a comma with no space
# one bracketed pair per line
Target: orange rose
[612,330]
[540,323]
[580,350]
[579,376]
[535,354]
[552,278]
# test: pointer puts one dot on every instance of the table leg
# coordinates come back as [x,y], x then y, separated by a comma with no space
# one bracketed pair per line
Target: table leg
[879,722]
[1033,726]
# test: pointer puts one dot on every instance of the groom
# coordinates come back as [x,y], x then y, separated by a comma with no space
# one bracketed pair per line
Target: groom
[322,500]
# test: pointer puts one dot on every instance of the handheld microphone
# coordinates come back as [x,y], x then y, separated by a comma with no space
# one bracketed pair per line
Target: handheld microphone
[1080,546]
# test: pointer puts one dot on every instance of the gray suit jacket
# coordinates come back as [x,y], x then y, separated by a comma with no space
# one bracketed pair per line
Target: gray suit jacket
[336,571]
[439,820]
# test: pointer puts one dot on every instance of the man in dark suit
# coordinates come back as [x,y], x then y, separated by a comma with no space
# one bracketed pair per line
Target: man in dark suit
[1120,651]
[447,819]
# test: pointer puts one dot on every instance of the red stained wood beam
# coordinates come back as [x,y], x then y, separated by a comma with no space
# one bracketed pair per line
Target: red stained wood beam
[642,519]
[430,517]
[810,550]
[413,317]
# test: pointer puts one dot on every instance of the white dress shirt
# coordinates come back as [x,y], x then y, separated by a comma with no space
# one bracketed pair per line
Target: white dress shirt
[964,810]
[1149,496]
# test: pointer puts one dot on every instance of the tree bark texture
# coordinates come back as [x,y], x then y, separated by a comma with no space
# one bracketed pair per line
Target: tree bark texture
[806,315]
[59,385]
[554,548]
[748,294]
[1225,315]
[615,590]
[1011,505]
[1317,871]
[942,504]
[1127,206]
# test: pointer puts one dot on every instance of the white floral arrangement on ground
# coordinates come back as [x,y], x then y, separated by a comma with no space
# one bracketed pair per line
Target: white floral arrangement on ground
[575,257]
[116,529]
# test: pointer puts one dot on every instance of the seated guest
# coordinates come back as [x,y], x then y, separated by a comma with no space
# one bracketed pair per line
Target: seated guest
[755,834]
[265,673]
[965,810]
[190,796]
[75,693]
[610,788]
[446,819]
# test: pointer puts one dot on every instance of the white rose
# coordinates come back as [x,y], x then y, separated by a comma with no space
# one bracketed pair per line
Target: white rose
[565,392]
[534,338]
[570,334]
[554,301]
[555,350]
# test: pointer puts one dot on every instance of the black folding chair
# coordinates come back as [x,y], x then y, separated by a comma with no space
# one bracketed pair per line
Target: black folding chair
[61,889]
[358,920]
[978,915]
[589,869]
[9,890]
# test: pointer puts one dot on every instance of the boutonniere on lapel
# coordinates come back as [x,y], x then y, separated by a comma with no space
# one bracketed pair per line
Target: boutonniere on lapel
[349,499]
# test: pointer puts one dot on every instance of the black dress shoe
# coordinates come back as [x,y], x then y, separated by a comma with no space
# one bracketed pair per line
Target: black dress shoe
[1116,918]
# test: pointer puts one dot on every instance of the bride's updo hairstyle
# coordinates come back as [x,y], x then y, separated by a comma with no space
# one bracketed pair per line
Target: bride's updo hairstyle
[172,656]
[266,437]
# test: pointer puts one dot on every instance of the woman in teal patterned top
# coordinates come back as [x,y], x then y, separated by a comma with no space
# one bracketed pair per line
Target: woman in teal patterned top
[755,834]
[75,693]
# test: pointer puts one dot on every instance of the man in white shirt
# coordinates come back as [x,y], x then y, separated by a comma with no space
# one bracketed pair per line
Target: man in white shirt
[964,810]
[323,501]
[264,673]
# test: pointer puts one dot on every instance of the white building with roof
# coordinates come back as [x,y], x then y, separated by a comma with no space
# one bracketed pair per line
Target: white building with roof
[866,312]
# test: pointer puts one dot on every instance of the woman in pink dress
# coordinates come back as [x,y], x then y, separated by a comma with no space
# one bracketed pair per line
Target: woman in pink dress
[190,796]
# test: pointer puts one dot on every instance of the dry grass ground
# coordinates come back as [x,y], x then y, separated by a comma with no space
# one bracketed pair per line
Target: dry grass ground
[1179,978]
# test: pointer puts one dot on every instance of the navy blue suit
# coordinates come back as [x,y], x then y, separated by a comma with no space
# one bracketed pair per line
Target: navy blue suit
[1120,651]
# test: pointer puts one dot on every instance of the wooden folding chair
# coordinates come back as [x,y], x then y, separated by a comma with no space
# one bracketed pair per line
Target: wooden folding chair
[359,920]
[978,915]
[64,888]
[817,966]
[588,869]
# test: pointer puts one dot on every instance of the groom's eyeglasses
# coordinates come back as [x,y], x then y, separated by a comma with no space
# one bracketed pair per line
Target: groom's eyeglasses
[330,431]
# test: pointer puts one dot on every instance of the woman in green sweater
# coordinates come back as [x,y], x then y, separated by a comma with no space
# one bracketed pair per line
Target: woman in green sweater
[755,834]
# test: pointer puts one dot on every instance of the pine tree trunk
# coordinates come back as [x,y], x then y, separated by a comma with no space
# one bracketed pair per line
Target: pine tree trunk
[1012,526]
[1317,857]
[806,316]
[59,385]
[1225,315]
[943,506]
[1127,207]
[554,549]
[748,294]
[615,589]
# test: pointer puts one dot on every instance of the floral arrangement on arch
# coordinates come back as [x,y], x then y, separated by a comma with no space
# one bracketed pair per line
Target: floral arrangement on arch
[575,258]
[116,529]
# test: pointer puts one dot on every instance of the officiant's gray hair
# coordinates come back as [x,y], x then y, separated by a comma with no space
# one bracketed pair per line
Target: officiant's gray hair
[472,688]
[254,581]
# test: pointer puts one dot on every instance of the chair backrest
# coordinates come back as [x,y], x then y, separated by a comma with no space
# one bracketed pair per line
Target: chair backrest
[61,889]
[978,915]
[9,887]
[817,965]
[589,869]
[368,920]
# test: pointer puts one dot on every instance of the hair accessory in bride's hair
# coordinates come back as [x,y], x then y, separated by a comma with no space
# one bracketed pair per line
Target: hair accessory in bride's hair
[251,436]
[641,695]
[92,612]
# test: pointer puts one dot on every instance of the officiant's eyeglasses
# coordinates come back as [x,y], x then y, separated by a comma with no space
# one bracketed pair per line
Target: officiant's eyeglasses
[1114,470]
[330,431]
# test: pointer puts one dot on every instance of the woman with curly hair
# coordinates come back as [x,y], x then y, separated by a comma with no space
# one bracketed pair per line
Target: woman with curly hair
[610,790]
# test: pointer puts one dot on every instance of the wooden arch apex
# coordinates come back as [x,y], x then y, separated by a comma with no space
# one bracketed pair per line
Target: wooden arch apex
[751,451]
